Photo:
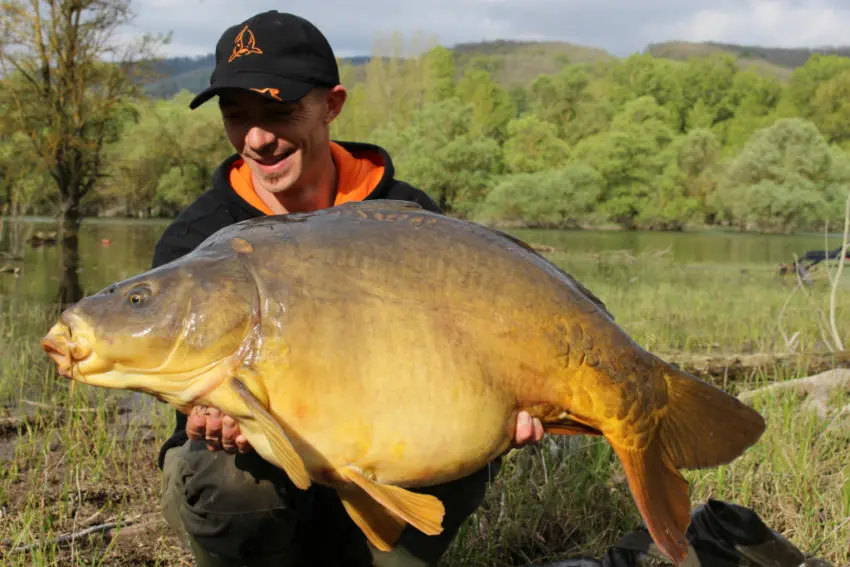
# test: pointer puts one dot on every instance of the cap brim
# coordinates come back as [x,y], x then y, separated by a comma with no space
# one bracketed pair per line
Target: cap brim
[268,86]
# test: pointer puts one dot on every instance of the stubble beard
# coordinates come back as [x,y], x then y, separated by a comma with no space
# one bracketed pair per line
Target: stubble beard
[271,182]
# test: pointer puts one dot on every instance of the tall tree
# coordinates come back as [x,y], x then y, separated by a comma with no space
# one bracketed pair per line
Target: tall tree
[69,78]
[492,107]
[786,177]
[441,151]
[440,74]
[533,145]
[806,80]
[630,158]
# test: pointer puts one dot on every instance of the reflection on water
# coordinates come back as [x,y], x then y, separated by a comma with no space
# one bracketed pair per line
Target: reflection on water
[70,290]
[108,251]
[112,250]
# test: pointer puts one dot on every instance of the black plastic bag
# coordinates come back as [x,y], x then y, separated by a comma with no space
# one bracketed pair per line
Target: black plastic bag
[720,535]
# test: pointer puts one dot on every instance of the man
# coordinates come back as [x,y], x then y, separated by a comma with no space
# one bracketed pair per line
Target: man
[278,90]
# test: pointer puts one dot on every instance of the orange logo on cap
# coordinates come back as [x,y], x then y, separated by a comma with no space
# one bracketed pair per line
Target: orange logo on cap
[269,91]
[244,44]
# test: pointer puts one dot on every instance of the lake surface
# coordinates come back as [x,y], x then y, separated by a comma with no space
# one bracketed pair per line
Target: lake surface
[111,250]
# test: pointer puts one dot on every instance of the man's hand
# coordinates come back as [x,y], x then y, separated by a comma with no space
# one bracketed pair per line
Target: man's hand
[218,430]
[222,432]
[528,431]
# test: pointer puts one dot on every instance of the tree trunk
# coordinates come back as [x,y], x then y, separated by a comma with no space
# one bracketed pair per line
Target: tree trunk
[68,227]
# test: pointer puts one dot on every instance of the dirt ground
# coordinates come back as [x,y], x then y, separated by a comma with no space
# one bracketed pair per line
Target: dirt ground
[42,505]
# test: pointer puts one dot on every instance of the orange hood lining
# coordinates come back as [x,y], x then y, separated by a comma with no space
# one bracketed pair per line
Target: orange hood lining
[357,176]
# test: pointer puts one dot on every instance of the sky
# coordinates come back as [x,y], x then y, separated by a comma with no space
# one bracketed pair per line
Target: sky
[618,26]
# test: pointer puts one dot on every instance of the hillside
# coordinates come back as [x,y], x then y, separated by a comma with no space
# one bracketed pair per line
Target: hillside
[513,63]
[193,74]
[780,56]
[519,62]
[773,61]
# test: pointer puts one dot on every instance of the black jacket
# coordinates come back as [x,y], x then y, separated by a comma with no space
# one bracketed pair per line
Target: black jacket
[221,206]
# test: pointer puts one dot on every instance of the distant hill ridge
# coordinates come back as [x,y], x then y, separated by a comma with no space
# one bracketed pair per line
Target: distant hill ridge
[519,62]
[790,57]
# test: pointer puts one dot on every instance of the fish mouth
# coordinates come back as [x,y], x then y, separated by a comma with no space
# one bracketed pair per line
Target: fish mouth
[67,349]
[60,354]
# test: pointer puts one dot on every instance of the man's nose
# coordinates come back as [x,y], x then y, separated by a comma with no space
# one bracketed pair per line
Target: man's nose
[258,138]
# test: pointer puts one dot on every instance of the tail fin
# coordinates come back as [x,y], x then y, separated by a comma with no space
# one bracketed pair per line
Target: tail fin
[703,426]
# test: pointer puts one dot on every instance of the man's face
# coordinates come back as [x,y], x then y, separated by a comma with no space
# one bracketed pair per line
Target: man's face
[280,142]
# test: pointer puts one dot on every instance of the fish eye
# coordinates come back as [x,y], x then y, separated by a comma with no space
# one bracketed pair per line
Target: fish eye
[138,295]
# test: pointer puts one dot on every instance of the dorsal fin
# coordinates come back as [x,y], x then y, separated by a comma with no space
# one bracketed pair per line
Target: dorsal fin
[387,205]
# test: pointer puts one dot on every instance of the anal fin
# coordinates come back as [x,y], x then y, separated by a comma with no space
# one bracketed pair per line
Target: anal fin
[569,427]
[661,495]
[556,420]
[380,526]
[422,511]
[287,457]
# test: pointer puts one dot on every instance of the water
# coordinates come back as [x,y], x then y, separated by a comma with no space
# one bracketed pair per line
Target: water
[111,250]
[688,247]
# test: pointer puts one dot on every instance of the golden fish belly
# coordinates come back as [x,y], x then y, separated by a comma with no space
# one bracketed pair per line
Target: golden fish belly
[404,394]
[405,434]
[414,421]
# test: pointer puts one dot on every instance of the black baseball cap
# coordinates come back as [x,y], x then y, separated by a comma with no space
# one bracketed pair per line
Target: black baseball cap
[277,55]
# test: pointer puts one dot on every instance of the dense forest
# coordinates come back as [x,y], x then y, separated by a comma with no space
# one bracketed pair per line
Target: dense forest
[649,141]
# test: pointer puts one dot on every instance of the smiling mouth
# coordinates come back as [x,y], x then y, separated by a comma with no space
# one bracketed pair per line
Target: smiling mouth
[276,160]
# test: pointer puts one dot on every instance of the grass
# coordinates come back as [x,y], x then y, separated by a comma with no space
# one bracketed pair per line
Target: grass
[90,457]
[703,307]
[82,458]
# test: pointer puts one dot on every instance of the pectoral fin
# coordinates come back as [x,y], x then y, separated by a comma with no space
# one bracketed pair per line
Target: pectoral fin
[287,458]
[422,511]
[378,524]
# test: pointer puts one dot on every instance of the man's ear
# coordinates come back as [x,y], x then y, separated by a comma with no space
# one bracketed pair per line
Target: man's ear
[335,99]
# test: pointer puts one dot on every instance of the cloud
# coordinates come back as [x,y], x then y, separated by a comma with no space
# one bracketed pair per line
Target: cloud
[619,26]
[786,24]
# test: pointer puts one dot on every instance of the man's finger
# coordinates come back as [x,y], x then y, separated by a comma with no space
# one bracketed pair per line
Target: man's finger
[214,424]
[196,423]
[213,429]
[229,432]
[538,430]
[524,429]
[242,444]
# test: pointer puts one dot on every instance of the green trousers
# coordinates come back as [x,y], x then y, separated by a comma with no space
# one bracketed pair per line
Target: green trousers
[238,510]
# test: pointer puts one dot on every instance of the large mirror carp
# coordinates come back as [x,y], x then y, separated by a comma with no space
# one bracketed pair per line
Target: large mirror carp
[376,347]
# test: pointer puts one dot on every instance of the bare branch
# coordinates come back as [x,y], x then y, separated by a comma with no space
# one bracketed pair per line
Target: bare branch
[67,51]
[836,337]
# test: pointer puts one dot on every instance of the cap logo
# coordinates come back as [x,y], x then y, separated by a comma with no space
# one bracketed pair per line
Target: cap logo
[244,44]
[269,91]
